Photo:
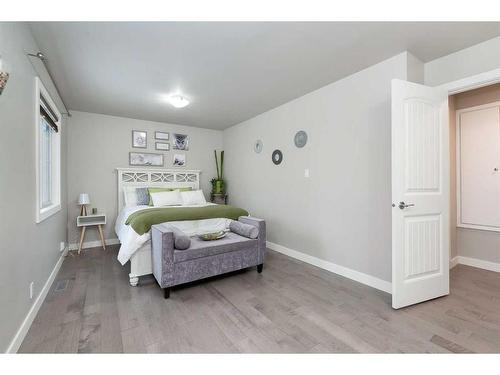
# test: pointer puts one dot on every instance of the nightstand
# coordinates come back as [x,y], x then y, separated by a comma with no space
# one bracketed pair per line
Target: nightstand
[218,198]
[91,220]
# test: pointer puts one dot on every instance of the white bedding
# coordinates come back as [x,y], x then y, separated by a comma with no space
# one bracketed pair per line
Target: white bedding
[131,241]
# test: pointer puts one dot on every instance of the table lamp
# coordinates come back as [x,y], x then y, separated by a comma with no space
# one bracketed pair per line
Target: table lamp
[83,200]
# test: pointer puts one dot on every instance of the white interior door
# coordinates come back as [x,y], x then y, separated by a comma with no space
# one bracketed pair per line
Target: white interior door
[420,193]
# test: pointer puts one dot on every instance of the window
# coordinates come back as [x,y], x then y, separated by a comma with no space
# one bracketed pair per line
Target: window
[48,154]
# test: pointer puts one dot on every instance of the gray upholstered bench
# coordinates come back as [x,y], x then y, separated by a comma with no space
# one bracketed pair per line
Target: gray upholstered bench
[204,258]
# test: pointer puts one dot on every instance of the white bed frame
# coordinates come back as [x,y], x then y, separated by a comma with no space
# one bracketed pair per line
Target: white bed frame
[140,262]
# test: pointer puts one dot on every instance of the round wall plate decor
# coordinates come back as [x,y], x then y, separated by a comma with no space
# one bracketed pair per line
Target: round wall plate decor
[300,138]
[258,146]
[277,157]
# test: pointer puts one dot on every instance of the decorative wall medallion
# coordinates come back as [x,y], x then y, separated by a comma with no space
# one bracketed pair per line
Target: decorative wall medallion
[258,146]
[300,138]
[277,157]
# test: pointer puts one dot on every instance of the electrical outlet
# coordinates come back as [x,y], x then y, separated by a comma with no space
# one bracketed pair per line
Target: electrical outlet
[306,173]
[62,246]
[32,287]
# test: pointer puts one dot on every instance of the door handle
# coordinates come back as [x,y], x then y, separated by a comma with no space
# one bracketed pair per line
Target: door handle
[403,205]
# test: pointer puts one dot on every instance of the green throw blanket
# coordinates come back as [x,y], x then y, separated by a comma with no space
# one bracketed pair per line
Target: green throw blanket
[141,221]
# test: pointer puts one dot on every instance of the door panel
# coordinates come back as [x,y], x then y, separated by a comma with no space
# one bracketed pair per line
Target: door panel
[422,246]
[479,185]
[420,193]
[423,142]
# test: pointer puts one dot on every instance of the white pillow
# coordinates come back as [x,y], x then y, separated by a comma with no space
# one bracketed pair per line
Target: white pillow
[193,197]
[166,198]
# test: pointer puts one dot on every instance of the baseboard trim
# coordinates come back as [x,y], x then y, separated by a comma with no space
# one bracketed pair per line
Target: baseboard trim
[90,244]
[360,277]
[16,342]
[454,261]
[478,263]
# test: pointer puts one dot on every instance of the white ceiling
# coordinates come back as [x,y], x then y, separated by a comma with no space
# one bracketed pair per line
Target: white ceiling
[230,71]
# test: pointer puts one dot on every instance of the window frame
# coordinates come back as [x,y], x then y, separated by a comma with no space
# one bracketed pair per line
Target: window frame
[46,212]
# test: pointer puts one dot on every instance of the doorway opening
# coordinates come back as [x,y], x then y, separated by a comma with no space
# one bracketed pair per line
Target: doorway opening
[474,117]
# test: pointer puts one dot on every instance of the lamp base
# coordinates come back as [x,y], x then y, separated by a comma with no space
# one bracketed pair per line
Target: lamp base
[83,210]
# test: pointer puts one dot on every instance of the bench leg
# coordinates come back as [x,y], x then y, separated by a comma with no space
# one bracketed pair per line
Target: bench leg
[166,293]
[260,267]
[134,280]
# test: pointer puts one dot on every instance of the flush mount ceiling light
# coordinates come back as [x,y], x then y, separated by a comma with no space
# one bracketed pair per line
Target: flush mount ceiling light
[178,101]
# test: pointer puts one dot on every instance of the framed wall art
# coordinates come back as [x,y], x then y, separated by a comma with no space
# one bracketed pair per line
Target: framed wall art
[139,139]
[162,146]
[180,142]
[164,136]
[146,159]
[179,160]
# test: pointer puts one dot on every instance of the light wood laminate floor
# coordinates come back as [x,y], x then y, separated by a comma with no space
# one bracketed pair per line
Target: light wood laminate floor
[291,307]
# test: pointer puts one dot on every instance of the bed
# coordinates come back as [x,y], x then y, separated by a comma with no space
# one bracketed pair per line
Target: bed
[136,244]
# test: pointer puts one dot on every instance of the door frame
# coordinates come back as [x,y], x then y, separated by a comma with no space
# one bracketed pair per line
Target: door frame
[470,83]
[473,82]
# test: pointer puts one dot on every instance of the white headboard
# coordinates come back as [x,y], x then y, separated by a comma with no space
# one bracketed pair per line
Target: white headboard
[146,177]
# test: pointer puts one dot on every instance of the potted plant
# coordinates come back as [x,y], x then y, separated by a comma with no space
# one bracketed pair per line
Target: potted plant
[218,187]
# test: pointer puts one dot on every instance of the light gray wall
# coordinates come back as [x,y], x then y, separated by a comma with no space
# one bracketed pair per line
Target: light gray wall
[342,213]
[29,251]
[415,69]
[478,244]
[98,144]
[477,59]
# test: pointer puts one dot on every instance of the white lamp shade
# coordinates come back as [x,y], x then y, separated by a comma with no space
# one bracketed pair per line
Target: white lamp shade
[83,199]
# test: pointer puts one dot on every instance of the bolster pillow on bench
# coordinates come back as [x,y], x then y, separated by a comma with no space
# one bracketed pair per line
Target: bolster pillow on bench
[181,239]
[245,230]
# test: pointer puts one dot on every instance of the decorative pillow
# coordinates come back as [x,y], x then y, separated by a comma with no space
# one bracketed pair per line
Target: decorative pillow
[142,196]
[181,239]
[166,198]
[193,197]
[130,196]
[187,188]
[245,230]
[156,190]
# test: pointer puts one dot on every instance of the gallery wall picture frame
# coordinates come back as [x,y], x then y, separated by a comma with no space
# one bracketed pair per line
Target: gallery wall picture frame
[180,142]
[146,159]
[139,139]
[162,146]
[164,136]
[179,160]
